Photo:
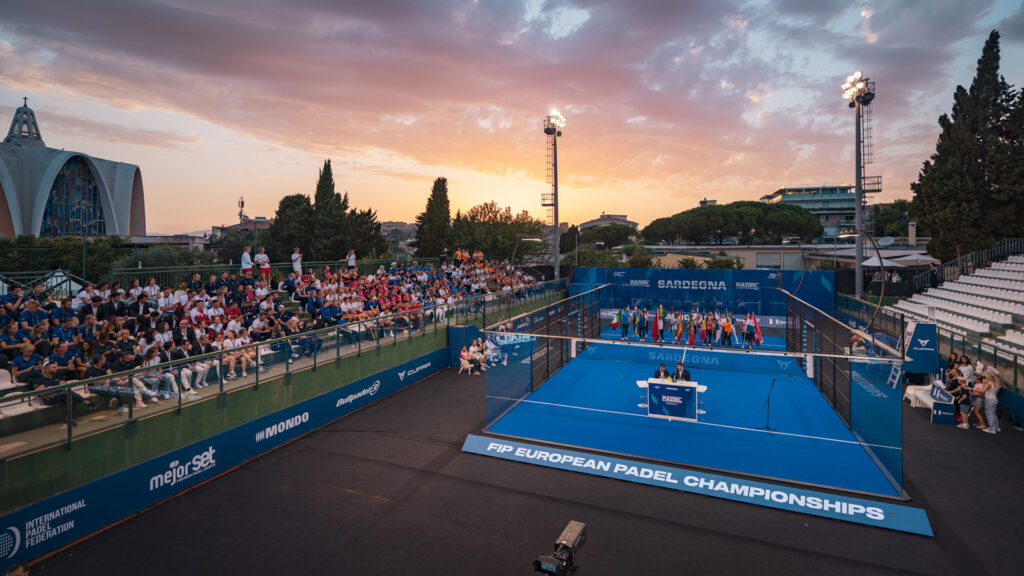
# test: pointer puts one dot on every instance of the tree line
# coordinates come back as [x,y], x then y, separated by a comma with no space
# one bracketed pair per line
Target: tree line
[970,193]
[748,222]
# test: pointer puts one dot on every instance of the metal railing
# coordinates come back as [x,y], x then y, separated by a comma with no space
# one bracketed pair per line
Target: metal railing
[56,283]
[968,263]
[176,277]
[892,325]
[270,359]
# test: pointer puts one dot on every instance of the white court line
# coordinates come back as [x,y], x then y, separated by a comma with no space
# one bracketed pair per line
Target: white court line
[701,423]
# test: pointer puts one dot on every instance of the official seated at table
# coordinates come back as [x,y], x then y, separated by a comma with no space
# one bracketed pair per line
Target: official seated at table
[680,373]
[661,372]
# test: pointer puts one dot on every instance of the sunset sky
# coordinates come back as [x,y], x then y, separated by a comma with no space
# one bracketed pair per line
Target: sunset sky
[667,101]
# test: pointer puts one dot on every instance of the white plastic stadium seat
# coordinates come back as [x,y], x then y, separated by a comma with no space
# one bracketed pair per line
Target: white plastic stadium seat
[465,365]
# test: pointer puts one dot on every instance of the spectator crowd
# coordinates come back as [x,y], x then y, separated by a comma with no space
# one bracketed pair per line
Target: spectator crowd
[111,328]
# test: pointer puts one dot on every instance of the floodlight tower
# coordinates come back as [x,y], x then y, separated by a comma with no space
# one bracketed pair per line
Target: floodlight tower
[859,91]
[553,125]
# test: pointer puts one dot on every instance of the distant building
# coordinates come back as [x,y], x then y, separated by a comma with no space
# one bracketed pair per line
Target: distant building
[833,205]
[48,192]
[254,223]
[706,202]
[606,219]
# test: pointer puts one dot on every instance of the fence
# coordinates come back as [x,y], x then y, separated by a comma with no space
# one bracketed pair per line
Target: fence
[891,325]
[176,277]
[968,263]
[228,370]
[56,283]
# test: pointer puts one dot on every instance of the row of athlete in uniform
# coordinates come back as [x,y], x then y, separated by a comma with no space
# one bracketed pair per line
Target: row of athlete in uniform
[694,328]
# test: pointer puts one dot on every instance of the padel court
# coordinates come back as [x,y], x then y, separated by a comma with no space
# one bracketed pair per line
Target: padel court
[593,402]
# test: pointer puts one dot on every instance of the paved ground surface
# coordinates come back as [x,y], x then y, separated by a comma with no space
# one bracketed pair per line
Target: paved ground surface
[388,491]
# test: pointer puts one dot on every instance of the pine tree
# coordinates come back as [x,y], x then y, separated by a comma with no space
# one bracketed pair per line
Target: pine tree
[433,231]
[331,240]
[968,175]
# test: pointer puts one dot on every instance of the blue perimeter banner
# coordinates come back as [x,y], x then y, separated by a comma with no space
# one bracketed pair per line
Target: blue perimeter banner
[663,285]
[868,512]
[59,520]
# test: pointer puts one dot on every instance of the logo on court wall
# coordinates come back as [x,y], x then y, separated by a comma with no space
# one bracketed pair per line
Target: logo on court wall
[53,523]
[923,342]
[10,541]
[370,391]
[403,373]
[178,471]
[692,284]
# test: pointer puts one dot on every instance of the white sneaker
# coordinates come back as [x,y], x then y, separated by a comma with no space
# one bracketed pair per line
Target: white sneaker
[963,426]
[140,405]
[244,375]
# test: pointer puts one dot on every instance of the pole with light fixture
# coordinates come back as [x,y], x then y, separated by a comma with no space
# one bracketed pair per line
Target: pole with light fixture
[858,91]
[553,125]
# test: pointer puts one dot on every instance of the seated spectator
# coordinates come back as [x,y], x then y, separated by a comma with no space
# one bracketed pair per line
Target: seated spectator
[47,378]
[27,365]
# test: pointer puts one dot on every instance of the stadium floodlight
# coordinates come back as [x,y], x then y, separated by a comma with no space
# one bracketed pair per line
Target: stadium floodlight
[859,91]
[553,125]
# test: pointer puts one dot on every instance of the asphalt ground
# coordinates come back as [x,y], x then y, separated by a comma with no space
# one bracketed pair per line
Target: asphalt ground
[388,491]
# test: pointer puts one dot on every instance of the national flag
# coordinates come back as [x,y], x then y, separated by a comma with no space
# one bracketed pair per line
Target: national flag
[617,320]
[757,330]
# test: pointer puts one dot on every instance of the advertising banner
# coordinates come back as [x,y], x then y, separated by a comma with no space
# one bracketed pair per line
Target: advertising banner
[672,401]
[922,354]
[827,505]
[737,291]
[32,531]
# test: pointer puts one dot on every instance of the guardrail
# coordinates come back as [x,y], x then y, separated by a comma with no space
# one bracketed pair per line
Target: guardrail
[266,360]
[968,263]
[176,277]
[891,324]
[56,283]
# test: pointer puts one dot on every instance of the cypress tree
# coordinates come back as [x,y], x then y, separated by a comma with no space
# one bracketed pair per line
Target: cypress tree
[968,176]
[433,225]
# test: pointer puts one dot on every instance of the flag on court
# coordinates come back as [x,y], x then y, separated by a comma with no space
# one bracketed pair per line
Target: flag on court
[757,330]
[617,320]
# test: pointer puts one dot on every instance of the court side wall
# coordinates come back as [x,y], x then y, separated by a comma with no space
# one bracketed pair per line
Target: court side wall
[729,286]
[61,519]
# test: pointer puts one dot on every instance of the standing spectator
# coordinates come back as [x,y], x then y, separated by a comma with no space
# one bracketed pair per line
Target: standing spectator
[297,262]
[990,390]
[246,260]
[263,263]
[351,260]
[933,275]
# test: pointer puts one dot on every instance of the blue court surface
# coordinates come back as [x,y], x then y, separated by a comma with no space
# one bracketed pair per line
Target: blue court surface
[592,402]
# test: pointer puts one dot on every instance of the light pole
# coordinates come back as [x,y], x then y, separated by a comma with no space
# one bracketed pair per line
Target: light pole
[858,91]
[83,226]
[553,125]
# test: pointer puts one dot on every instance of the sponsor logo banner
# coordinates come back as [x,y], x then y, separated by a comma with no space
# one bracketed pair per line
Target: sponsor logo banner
[46,525]
[826,505]
[922,354]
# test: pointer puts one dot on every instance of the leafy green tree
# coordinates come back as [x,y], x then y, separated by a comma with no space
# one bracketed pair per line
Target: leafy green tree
[588,256]
[689,264]
[894,220]
[611,235]
[723,263]
[367,240]
[748,222]
[640,257]
[970,172]
[567,241]
[291,228]
[433,225]
[156,256]
[496,231]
